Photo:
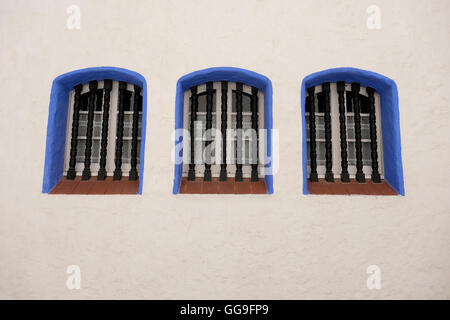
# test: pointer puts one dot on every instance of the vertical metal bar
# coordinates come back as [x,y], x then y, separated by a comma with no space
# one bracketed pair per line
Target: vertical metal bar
[194,106]
[90,127]
[328,146]
[343,131]
[313,177]
[119,137]
[238,176]
[224,100]
[255,135]
[105,127]
[358,145]
[373,135]
[209,106]
[133,175]
[71,173]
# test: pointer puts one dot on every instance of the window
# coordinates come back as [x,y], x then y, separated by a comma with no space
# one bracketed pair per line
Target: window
[224,146]
[237,158]
[102,136]
[347,114]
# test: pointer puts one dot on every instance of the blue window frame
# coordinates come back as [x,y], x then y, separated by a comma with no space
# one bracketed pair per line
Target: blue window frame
[230,74]
[390,118]
[58,112]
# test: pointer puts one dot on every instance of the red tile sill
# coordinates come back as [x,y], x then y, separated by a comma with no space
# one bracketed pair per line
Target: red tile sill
[354,187]
[94,186]
[222,187]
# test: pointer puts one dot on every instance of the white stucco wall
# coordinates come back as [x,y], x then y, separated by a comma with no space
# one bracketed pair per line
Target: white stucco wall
[286,245]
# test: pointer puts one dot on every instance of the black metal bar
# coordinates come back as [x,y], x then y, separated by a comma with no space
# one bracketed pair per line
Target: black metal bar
[224,99]
[373,135]
[133,175]
[71,173]
[343,131]
[358,144]
[255,135]
[105,124]
[313,177]
[90,127]
[209,106]
[238,176]
[328,146]
[119,136]
[194,106]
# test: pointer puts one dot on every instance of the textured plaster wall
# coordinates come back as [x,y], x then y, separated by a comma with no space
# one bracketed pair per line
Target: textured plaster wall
[286,245]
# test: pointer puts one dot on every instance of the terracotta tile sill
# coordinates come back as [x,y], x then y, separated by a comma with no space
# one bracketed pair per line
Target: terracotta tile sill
[354,187]
[94,186]
[222,187]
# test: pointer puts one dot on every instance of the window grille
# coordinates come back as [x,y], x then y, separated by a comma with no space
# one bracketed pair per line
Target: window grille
[223,119]
[104,130]
[343,133]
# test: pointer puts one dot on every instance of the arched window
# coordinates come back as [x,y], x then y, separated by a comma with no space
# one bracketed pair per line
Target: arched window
[96,132]
[351,133]
[223,122]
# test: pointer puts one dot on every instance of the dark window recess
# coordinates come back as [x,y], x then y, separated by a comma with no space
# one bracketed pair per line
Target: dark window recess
[321,102]
[98,96]
[90,131]
[348,100]
[308,104]
[140,104]
[246,102]
[202,101]
[127,100]
[98,100]
[363,101]
[318,150]
[205,102]
[84,101]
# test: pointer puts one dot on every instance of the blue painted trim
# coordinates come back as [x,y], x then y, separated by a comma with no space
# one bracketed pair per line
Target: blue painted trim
[57,117]
[390,118]
[233,75]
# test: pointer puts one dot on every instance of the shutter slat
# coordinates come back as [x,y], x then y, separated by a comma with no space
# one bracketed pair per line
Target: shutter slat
[313,177]
[360,177]
[328,144]
[209,106]
[345,177]
[238,176]
[119,138]
[90,127]
[133,175]
[194,106]
[255,135]
[224,100]
[71,173]
[373,136]
[105,127]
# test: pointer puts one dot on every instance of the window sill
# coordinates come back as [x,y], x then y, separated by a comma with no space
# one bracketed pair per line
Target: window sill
[339,188]
[222,187]
[94,186]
